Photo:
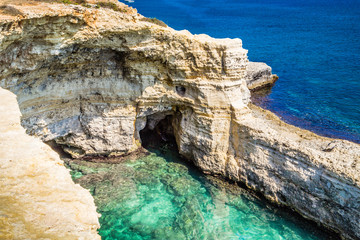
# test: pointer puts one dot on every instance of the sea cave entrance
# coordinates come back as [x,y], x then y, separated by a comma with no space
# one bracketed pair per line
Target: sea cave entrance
[159,131]
[161,195]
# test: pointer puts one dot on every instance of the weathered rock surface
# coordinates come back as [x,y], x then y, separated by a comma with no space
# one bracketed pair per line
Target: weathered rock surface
[91,79]
[258,76]
[38,199]
[84,76]
[316,176]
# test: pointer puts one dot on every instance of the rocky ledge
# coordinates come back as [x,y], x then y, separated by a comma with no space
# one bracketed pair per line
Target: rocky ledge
[91,78]
[38,199]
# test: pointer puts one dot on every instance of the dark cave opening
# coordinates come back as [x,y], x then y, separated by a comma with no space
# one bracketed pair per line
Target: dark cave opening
[181,90]
[58,149]
[158,137]
[158,132]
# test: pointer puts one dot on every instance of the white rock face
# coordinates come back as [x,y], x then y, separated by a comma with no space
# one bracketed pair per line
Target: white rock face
[83,80]
[38,199]
[91,79]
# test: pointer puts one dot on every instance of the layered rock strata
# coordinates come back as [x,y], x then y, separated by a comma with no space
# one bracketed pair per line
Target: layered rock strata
[91,79]
[88,78]
[316,176]
[38,199]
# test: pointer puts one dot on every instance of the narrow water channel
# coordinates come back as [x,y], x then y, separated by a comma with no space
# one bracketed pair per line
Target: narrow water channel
[160,195]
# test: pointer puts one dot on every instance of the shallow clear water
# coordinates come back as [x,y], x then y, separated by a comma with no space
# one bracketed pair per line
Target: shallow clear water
[161,196]
[312,45]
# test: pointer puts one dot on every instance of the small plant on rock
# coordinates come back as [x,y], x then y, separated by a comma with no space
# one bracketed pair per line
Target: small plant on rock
[154,21]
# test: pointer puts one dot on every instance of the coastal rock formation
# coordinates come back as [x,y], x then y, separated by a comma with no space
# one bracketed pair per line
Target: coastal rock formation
[316,176]
[91,79]
[38,199]
[84,76]
[258,76]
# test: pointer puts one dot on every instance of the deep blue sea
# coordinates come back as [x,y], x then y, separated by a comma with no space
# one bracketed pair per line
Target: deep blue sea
[312,45]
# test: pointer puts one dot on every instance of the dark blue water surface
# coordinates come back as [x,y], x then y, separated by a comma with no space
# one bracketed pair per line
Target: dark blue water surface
[312,45]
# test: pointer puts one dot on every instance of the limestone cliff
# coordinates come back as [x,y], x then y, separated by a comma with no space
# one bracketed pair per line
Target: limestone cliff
[38,199]
[91,79]
[316,176]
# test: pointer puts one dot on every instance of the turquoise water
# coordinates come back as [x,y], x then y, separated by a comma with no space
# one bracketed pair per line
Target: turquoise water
[161,196]
[312,45]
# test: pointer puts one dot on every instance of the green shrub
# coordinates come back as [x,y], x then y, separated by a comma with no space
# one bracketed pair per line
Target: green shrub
[154,21]
[83,3]
[76,2]
[86,5]
[10,10]
[109,5]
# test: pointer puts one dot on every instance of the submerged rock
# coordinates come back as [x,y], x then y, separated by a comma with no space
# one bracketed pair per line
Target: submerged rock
[187,206]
